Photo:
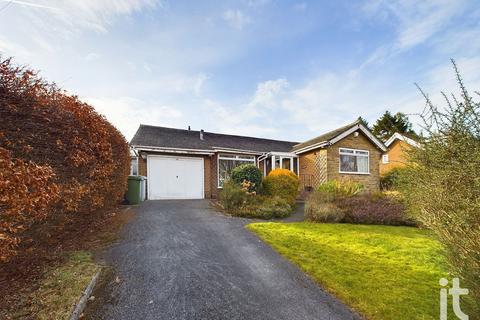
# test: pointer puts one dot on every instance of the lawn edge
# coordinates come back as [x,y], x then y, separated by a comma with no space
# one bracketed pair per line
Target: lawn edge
[82,302]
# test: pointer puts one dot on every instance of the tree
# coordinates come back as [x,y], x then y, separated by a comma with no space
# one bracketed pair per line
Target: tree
[441,186]
[388,124]
[364,122]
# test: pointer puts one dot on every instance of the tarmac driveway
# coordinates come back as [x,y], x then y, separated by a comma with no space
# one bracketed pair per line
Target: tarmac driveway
[182,260]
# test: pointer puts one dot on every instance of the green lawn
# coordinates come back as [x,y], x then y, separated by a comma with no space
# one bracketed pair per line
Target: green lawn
[382,272]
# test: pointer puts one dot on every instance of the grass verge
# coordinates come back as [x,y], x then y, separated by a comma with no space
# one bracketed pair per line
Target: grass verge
[383,272]
[41,278]
[61,287]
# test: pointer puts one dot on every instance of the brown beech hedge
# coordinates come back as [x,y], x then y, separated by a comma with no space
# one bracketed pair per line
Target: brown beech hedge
[57,156]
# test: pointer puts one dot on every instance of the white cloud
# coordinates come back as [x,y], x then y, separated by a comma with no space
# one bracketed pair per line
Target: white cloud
[7,47]
[301,6]
[126,113]
[415,22]
[236,19]
[199,83]
[92,56]
[268,93]
[65,17]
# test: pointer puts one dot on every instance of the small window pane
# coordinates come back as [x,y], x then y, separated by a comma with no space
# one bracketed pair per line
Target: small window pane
[346,151]
[277,162]
[361,152]
[362,164]
[247,157]
[348,163]
[286,163]
[227,156]
[134,167]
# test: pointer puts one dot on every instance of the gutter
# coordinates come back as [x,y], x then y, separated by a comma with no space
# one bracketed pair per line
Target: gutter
[174,150]
[312,147]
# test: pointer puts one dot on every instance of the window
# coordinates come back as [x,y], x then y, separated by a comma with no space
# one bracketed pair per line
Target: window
[134,166]
[227,162]
[281,162]
[354,161]
[277,162]
[385,158]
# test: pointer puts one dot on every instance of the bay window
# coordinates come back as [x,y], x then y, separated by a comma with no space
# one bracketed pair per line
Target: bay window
[227,162]
[354,161]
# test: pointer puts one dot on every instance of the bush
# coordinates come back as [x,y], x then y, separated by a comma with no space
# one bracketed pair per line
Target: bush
[374,209]
[442,188]
[391,179]
[248,172]
[58,156]
[339,189]
[279,207]
[233,197]
[282,183]
[321,208]
[239,202]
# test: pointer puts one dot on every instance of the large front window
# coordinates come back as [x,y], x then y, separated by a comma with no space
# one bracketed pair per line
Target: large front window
[354,161]
[227,162]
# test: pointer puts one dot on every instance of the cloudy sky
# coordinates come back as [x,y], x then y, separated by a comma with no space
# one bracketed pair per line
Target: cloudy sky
[280,69]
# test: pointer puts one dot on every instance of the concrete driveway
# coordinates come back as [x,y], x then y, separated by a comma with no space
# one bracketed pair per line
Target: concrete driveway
[182,260]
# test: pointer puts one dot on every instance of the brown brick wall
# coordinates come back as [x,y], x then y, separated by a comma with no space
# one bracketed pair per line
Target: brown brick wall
[370,181]
[213,177]
[142,166]
[207,177]
[396,156]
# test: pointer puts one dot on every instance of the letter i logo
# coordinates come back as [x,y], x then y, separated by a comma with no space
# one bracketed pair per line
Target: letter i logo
[443,299]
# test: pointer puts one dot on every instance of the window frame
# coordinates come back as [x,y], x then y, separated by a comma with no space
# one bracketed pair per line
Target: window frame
[134,167]
[340,153]
[233,157]
[385,159]
[290,158]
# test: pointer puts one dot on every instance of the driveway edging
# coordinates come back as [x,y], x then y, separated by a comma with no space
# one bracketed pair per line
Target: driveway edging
[80,306]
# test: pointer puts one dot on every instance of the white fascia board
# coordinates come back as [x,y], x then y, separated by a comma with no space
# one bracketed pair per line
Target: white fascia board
[173,150]
[403,138]
[283,154]
[231,150]
[312,147]
[367,132]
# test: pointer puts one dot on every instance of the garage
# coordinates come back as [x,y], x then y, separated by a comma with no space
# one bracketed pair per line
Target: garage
[175,177]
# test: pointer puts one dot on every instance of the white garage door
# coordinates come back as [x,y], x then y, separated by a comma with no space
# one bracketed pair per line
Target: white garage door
[175,177]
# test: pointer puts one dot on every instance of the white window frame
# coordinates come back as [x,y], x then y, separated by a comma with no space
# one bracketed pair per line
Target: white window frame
[232,157]
[281,163]
[136,166]
[340,153]
[385,159]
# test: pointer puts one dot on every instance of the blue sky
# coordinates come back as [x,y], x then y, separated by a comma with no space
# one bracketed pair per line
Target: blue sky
[280,69]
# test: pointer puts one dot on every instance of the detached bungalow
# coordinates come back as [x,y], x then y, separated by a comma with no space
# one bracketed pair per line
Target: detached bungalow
[188,164]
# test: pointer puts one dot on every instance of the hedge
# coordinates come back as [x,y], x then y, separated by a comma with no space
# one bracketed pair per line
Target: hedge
[57,155]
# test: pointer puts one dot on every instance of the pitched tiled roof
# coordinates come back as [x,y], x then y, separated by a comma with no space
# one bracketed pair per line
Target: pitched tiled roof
[152,136]
[325,137]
